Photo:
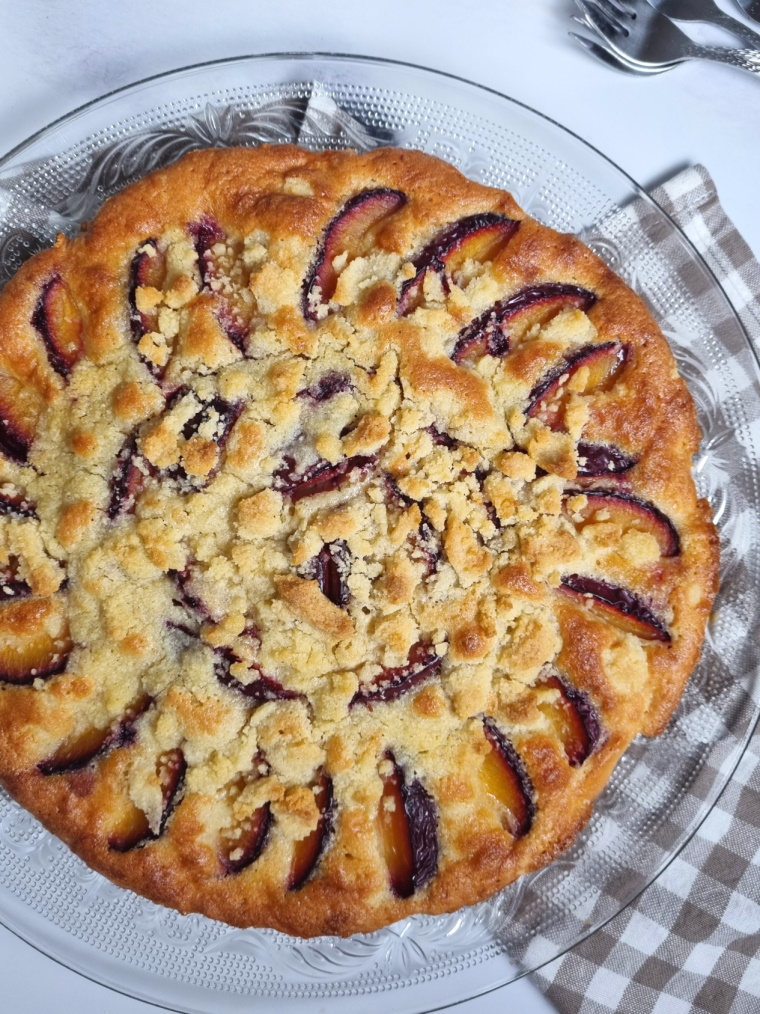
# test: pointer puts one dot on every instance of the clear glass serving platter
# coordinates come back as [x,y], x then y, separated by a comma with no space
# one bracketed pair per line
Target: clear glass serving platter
[662,789]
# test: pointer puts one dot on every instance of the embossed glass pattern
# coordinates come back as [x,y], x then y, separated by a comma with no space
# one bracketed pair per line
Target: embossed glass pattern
[661,789]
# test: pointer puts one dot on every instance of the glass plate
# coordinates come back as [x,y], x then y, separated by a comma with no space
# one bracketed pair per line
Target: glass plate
[661,790]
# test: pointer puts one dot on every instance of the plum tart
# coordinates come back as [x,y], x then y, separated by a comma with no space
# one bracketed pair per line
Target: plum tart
[348,537]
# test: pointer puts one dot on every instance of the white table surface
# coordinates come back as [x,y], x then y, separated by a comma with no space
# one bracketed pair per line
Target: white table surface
[57,54]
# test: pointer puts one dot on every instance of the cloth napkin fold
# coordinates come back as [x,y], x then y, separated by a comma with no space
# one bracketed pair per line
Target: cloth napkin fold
[691,941]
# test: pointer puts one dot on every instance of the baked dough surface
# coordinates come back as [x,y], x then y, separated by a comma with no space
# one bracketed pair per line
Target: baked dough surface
[334,583]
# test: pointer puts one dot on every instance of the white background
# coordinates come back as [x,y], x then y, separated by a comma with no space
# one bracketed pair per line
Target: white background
[57,54]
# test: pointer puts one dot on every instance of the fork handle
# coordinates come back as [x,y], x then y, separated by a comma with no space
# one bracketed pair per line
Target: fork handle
[736,27]
[747,59]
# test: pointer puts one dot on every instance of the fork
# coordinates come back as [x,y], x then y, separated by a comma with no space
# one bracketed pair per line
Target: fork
[708,12]
[639,34]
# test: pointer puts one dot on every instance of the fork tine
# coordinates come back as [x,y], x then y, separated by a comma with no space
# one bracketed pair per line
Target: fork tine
[601,52]
[616,9]
[583,21]
[625,7]
[614,14]
[586,23]
[598,20]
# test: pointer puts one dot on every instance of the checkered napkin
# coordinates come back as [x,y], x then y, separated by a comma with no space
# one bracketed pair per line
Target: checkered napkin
[691,941]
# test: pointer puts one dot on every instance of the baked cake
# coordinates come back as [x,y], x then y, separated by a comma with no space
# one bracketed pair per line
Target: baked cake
[348,537]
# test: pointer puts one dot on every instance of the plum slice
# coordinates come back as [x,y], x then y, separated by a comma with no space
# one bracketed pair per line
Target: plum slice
[326,387]
[481,474]
[217,416]
[223,414]
[262,688]
[308,851]
[350,232]
[223,275]
[171,775]
[321,477]
[477,237]
[15,504]
[393,829]
[442,439]
[13,443]
[34,640]
[59,324]
[128,479]
[12,585]
[235,322]
[603,362]
[602,459]
[77,751]
[187,593]
[147,270]
[427,547]
[393,493]
[391,684]
[489,334]
[20,409]
[504,777]
[629,512]
[407,827]
[619,605]
[423,821]
[243,843]
[573,718]
[331,566]
[205,234]
[133,828]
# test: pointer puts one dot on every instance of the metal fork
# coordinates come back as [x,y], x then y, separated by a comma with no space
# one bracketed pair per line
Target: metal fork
[708,12]
[641,35]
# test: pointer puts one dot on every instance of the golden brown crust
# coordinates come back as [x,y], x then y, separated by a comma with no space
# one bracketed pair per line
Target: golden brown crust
[262,547]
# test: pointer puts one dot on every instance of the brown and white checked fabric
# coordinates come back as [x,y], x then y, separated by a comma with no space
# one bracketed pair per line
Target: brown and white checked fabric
[691,941]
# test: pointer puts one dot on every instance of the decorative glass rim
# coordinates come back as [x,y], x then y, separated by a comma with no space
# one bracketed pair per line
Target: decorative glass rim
[305,57]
